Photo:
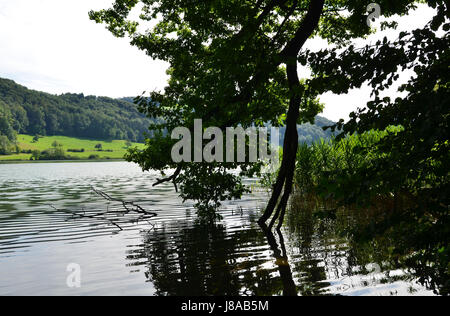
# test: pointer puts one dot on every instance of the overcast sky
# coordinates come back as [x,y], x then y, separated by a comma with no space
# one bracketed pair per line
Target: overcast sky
[52,46]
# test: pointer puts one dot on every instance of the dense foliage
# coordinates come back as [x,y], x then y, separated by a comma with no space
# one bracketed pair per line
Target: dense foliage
[321,165]
[331,181]
[36,113]
[410,165]
[7,133]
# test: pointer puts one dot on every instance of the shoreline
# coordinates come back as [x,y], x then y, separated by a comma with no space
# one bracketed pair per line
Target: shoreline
[9,162]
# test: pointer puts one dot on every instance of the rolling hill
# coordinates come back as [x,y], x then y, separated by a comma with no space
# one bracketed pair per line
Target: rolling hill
[83,120]
[75,115]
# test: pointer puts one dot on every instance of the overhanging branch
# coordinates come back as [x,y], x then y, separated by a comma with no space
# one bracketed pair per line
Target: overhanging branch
[172,178]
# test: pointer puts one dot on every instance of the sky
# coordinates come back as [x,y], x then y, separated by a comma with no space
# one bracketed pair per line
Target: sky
[52,46]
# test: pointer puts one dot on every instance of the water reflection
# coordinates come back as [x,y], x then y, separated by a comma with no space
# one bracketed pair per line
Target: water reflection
[282,261]
[189,258]
[328,263]
[206,259]
[179,256]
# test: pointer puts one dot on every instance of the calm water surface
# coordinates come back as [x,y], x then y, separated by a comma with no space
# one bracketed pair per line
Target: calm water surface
[171,254]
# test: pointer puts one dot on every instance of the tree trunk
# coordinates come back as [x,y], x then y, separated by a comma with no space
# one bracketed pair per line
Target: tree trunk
[286,175]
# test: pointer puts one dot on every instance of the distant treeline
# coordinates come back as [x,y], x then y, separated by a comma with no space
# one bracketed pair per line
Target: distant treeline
[311,133]
[31,112]
[24,111]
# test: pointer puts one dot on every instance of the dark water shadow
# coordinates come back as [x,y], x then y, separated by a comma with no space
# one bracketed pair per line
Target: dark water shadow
[183,259]
[281,260]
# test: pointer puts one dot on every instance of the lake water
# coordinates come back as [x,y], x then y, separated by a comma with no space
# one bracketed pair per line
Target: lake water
[171,254]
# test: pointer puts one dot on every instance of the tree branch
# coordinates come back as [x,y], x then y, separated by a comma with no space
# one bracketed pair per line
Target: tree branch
[305,30]
[172,178]
[288,16]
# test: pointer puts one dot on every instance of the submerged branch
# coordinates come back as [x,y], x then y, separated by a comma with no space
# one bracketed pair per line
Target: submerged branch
[128,208]
[135,208]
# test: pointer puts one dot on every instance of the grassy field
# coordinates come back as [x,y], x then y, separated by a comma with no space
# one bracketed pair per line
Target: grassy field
[25,142]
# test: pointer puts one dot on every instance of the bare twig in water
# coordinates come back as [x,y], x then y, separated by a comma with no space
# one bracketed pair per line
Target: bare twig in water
[134,207]
[129,207]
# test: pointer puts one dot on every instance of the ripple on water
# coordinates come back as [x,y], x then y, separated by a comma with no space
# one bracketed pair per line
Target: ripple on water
[171,254]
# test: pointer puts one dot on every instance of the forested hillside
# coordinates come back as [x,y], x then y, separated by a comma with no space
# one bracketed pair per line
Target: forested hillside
[24,111]
[311,133]
[31,112]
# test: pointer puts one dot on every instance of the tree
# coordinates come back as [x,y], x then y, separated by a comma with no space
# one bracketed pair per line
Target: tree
[99,147]
[36,138]
[56,144]
[5,145]
[20,122]
[5,124]
[35,154]
[236,63]
[52,124]
[36,118]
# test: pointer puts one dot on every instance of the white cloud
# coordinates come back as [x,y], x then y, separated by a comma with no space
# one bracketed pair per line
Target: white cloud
[51,45]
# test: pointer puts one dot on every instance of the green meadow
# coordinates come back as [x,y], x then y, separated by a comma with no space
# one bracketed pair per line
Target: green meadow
[114,149]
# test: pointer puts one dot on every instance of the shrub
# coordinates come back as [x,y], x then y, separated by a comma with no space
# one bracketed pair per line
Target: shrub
[56,144]
[5,145]
[36,138]
[99,147]
[53,154]
[35,155]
